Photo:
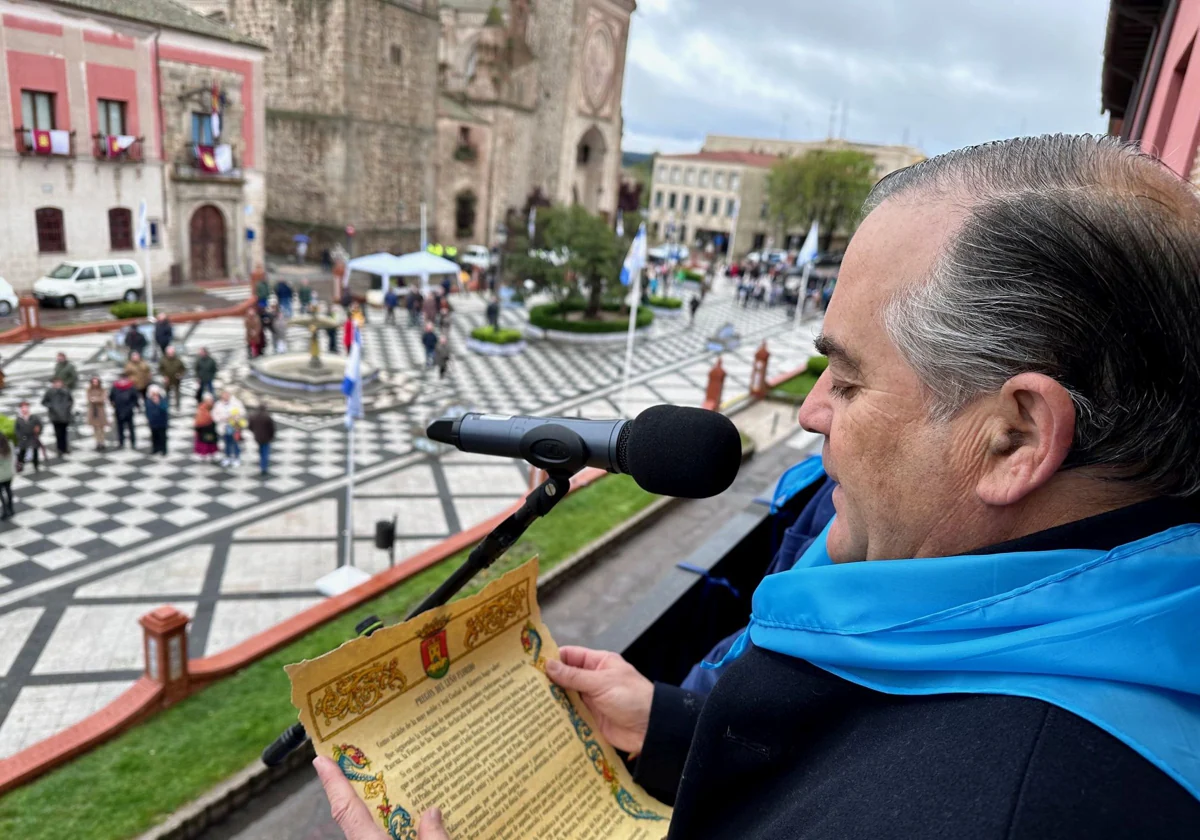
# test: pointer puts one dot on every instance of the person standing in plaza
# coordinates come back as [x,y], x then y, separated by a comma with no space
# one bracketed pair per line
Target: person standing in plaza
[390,299]
[97,411]
[206,372]
[444,313]
[254,331]
[331,332]
[135,342]
[430,342]
[441,356]
[283,292]
[172,371]
[158,418]
[267,333]
[65,372]
[262,291]
[279,328]
[305,296]
[205,427]
[59,405]
[262,426]
[7,468]
[493,312]
[430,306]
[412,303]
[29,436]
[230,416]
[124,397]
[693,305]
[139,371]
[164,333]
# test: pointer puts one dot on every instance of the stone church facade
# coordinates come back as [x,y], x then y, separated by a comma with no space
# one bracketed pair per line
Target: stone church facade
[471,106]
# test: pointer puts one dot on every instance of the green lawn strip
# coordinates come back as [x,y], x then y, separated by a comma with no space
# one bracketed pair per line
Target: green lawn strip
[800,384]
[122,788]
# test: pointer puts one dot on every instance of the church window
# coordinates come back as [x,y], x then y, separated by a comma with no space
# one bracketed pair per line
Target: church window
[464,214]
[583,153]
[397,55]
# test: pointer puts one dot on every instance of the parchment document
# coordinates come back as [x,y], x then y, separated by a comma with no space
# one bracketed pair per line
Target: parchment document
[454,709]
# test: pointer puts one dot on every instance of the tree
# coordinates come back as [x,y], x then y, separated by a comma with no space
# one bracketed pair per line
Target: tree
[824,186]
[590,248]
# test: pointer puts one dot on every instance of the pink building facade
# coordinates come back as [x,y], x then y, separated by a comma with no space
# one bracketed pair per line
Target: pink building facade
[100,112]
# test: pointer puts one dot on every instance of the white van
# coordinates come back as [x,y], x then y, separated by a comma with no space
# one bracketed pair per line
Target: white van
[8,298]
[90,281]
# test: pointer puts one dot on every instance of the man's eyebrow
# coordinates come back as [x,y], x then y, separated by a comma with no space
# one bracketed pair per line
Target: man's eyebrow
[830,347]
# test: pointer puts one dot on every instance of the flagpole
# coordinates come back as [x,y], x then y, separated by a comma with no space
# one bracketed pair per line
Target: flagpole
[349,536]
[633,310]
[144,244]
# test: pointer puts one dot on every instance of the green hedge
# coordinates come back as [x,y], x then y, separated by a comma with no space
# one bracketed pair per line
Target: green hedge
[549,316]
[798,386]
[500,336]
[665,302]
[8,427]
[817,364]
[690,274]
[125,309]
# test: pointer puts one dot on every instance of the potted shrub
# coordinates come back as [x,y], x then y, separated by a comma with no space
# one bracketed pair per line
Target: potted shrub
[665,307]
[496,342]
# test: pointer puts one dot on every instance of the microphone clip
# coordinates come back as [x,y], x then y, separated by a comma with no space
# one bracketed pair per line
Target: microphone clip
[560,451]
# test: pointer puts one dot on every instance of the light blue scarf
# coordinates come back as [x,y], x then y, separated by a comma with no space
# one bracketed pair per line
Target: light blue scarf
[1113,637]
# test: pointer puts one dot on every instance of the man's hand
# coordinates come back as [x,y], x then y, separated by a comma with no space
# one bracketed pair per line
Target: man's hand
[615,693]
[354,817]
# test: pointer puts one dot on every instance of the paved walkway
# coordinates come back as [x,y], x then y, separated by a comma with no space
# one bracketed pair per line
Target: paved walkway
[101,538]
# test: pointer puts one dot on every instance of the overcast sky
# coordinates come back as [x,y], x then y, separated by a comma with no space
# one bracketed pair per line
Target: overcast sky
[943,73]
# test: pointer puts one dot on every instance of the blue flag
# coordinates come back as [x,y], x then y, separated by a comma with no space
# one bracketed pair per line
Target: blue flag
[352,382]
[635,260]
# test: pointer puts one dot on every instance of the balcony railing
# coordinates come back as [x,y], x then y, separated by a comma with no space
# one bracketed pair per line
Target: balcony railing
[207,162]
[103,149]
[466,153]
[26,145]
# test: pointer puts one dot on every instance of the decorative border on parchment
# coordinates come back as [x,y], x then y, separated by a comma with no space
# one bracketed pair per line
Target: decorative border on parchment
[358,693]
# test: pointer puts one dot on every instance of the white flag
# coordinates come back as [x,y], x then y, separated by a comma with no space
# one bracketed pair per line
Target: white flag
[635,260]
[143,226]
[60,142]
[808,251]
[620,225]
[223,155]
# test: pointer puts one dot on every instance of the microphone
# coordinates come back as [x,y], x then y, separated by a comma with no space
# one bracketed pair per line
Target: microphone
[668,450]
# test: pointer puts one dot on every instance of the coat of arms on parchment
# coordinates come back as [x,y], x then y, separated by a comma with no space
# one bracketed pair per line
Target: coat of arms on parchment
[435,653]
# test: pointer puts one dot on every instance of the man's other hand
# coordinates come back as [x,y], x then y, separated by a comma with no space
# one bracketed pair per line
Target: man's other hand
[615,693]
[353,816]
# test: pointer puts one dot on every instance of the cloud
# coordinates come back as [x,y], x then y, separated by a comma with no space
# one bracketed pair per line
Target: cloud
[937,73]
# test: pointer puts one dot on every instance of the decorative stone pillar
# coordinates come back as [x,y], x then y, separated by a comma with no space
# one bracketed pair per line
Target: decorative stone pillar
[716,384]
[758,376]
[31,317]
[165,648]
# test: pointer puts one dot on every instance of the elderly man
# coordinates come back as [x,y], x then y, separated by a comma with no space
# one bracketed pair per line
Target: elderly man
[995,635]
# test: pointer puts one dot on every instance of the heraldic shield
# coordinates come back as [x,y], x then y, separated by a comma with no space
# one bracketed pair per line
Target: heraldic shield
[435,653]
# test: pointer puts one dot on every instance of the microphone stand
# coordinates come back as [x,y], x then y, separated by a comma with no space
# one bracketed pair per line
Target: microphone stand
[561,461]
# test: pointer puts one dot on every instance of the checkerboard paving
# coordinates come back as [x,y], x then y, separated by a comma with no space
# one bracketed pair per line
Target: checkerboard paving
[64,639]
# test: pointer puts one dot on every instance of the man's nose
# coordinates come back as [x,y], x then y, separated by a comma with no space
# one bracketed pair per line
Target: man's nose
[816,412]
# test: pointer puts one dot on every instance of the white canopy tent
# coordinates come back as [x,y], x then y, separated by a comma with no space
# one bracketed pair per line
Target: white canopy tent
[386,266]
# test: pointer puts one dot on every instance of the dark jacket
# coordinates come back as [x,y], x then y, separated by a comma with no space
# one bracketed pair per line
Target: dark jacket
[58,403]
[262,426]
[429,340]
[158,415]
[493,312]
[124,397]
[305,295]
[782,749]
[391,299]
[28,431]
[206,368]
[66,372]
[164,333]
[135,342]
[283,291]
[172,369]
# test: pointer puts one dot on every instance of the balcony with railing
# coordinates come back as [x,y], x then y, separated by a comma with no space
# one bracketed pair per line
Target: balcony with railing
[218,163]
[27,143]
[466,152]
[118,149]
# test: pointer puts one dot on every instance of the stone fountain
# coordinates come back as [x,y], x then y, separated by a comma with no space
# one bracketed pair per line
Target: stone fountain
[311,382]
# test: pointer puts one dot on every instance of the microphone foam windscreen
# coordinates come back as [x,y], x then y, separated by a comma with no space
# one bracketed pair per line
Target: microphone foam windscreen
[691,453]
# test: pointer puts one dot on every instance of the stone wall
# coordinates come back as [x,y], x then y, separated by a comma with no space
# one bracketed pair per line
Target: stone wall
[184,90]
[455,176]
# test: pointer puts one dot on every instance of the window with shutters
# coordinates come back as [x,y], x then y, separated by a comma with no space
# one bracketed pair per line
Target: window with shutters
[120,229]
[52,238]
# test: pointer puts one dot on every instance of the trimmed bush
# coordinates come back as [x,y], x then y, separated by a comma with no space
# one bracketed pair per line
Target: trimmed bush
[501,336]
[551,316]
[665,302]
[8,427]
[690,274]
[125,309]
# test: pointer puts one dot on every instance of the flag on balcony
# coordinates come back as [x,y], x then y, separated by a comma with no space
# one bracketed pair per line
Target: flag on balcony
[60,142]
[206,159]
[215,107]
[223,155]
[115,144]
[41,142]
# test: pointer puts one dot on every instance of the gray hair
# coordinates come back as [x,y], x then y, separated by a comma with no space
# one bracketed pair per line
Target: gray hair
[1079,259]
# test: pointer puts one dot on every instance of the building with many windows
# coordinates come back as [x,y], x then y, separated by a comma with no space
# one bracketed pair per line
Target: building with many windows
[718,196]
[111,103]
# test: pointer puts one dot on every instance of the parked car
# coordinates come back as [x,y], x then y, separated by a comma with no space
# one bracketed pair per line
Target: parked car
[8,298]
[90,281]
[477,256]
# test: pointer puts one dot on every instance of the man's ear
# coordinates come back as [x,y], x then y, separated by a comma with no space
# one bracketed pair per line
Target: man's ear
[1031,428]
